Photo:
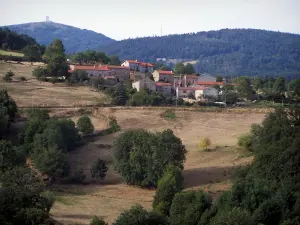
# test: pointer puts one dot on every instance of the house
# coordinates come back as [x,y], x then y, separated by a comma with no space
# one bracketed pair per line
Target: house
[206,77]
[92,70]
[208,83]
[165,88]
[177,82]
[145,83]
[183,92]
[121,73]
[206,92]
[163,76]
[135,65]
[189,80]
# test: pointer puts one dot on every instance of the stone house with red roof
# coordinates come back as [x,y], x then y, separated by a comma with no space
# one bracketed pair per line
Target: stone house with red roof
[163,76]
[189,80]
[165,88]
[135,65]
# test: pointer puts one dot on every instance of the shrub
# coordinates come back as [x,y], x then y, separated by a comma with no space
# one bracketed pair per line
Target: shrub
[39,72]
[22,78]
[97,221]
[85,125]
[141,157]
[99,169]
[245,141]
[113,124]
[168,114]
[49,199]
[78,176]
[8,155]
[170,184]
[187,207]
[204,143]
[137,215]
[8,76]
[236,216]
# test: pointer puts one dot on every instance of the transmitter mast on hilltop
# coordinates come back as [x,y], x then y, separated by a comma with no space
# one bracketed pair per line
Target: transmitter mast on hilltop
[47,19]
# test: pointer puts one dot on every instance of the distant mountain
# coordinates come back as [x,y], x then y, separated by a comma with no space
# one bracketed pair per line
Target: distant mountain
[224,52]
[74,39]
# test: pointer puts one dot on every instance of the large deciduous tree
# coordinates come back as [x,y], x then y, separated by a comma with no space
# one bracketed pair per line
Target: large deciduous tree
[84,124]
[32,52]
[141,157]
[56,59]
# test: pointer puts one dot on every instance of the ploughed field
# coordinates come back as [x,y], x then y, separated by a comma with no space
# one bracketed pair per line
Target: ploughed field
[210,170]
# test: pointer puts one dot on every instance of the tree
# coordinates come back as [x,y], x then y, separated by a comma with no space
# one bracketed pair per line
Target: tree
[39,72]
[114,60]
[179,68]
[244,88]
[294,89]
[32,52]
[141,157]
[51,161]
[168,185]
[55,55]
[189,69]
[97,221]
[187,207]
[78,76]
[204,143]
[279,85]
[137,215]
[236,216]
[244,141]
[229,97]
[219,79]
[120,96]
[9,104]
[8,156]
[4,121]
[98,169]
[8,76]
[85,125]
[257,83]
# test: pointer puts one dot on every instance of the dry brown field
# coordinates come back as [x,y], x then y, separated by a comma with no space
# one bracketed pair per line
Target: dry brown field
[37,93]
[210,171]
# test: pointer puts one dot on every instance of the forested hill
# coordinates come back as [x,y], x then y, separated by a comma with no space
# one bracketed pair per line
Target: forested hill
[14,41]
[227,51]
[74,39]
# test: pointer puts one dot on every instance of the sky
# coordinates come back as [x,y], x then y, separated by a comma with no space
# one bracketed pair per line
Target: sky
[122,19]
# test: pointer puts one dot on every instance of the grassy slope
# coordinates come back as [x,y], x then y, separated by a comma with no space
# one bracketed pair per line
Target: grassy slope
[3,52]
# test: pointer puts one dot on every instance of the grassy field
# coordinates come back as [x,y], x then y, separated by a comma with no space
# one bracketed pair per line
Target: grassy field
[36,93]
[3,52]
[210,171]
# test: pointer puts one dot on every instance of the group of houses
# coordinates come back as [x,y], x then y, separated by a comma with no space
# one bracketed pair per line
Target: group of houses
[166,82]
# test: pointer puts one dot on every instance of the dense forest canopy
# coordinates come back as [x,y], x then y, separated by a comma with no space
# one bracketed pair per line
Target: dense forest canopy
[73,38]
[14,41]
[223,52]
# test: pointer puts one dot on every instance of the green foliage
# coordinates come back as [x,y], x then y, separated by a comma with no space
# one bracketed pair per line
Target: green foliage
[91,56]
[39,72]
[14,41]
[38,114]
[49,199]
[85,125]
[180,68]
[51,161]
[4,121]
[8,156]
[236,216]
[55,55]
[168,185]
[141,157]
[230,97]
[98,169]
[32,52]
[21,198]
[137,215]
[78,176]
[187,207]
[227,51]
[114,60]
[120,96]
[78,77]
[8,76]
[244,88]
[244,141]
[168,114]
[279,85]
[97,221]
[22,78]
[8,104]
[294,89]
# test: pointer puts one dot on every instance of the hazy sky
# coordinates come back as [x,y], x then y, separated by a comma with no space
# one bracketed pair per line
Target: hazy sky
[120,19]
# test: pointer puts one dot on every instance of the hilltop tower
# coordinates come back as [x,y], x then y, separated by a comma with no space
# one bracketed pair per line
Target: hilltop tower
[47,19]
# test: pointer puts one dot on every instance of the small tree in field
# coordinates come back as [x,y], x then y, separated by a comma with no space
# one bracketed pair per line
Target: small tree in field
[85,125]
[204,143]
[99,169]
[97,221]
[8,76]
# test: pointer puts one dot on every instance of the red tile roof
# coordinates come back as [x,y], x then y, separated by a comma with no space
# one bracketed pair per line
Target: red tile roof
[162,84]
[140,63]
[132,61]
[209,83]
[97,68]
[191,76]
[116,67]
[165,72]
[192,88]
[70,71]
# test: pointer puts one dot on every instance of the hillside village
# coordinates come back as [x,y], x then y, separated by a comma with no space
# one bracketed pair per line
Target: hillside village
[165,82]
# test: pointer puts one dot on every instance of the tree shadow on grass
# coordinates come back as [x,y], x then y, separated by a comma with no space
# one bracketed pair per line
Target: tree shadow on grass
[202,176]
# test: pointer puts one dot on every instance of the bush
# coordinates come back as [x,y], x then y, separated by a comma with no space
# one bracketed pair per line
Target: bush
[85,125]
[236,216]
[170,184]
[168,114]
[187,207]
[204,143]
[8,155]
[97,221]
[39,72]
[113,125]
[8,76]
[245,141]
[137,215]
[49,199]
[78,176]
[99,169]
[141,157]
[22,78]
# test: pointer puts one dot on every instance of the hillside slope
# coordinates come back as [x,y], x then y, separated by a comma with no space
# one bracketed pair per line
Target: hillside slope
[227,51]
[74,39]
